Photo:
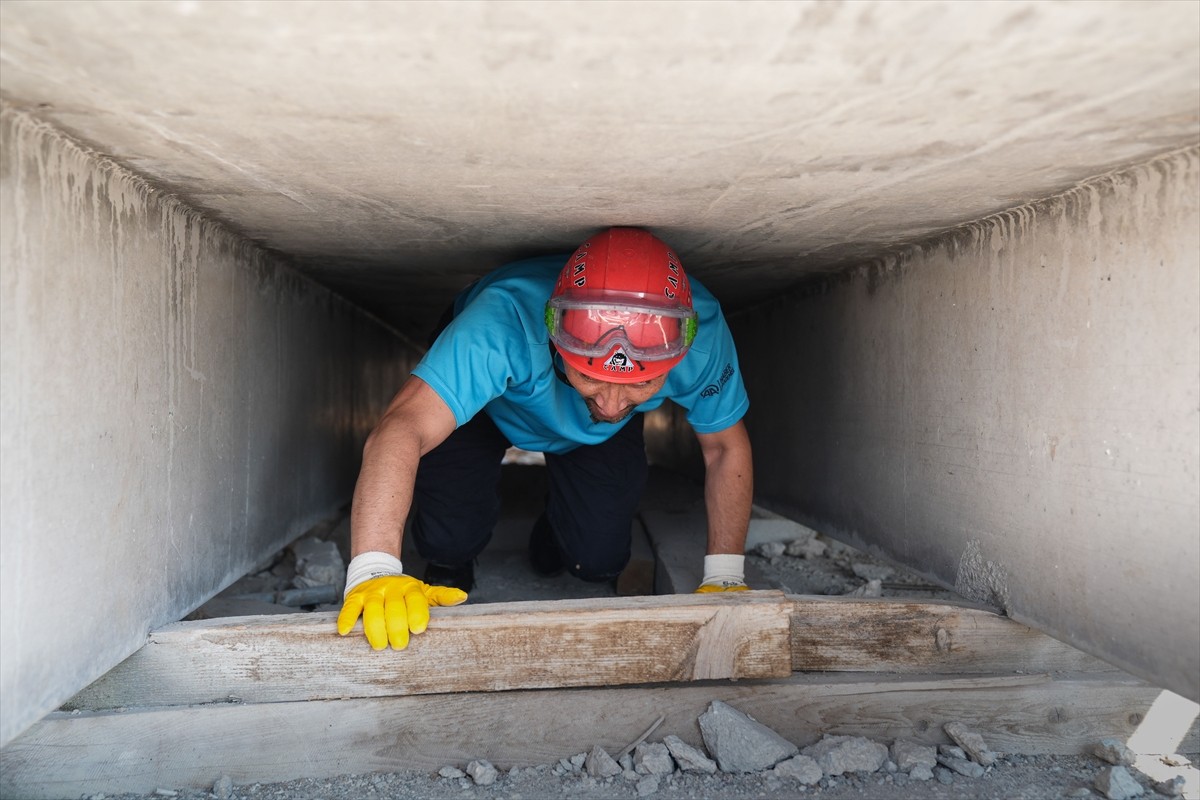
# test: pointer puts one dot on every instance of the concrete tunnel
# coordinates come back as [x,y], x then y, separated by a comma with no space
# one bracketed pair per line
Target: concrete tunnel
[958,244]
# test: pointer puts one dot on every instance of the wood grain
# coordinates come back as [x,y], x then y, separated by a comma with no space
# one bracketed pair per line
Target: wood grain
[68,755]
[484,648]
[914,636]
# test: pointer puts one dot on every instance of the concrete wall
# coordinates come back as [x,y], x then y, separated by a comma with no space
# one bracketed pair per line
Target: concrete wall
[176,404]
[1014,410]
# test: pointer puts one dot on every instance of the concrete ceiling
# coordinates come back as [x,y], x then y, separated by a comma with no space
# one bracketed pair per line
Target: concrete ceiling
[396,150]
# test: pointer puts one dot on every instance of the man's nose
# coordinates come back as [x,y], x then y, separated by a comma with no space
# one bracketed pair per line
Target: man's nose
[611,399]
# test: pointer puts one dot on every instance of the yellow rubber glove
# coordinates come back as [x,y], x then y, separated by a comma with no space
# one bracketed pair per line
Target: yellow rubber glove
[393,605]
[722,587]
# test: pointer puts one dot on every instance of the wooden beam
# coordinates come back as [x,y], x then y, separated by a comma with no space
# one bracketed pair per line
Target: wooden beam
[67,755]
[471,648]
[916,636]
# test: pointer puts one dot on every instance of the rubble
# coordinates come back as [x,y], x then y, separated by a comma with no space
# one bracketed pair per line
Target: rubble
[908,754]
[739,743]
[223,787]
[600,764]
[921,772]
[689,758]
[971,742]
[652,758]
[1116,783]
[1171,788]
[318,563]
[837,755]
[872,588]
[482,772]
[1114,751]
[799,768]
[962,766]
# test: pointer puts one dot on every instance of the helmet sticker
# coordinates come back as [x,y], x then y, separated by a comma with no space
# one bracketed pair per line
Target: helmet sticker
[618,361]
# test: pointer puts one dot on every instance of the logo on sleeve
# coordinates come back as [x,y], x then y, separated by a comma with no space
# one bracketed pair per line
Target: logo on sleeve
[715,388]
[618,361]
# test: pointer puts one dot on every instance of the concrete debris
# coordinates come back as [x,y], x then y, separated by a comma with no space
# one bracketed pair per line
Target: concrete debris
[837,755]
[223,787]
[1114,751]
[921,772]
[318,563]
[869,589]
[962,766]
[970,741]
[689,758]
[872,572]
[647,786]
[652,758]
[577,761]
[944,776]
[451,773]
[1116,783]
[600,764]
[799,768]
[626,761]
[772,549]
[1171,788]
[908,754]
[807,548]
[739,743]
[951,751]
[482,772]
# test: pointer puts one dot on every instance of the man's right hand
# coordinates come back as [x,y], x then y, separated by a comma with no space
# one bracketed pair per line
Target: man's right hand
[393,605]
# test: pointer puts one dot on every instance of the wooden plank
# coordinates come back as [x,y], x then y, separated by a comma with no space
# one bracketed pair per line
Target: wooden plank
[481,648]
[137,751]
[916,636]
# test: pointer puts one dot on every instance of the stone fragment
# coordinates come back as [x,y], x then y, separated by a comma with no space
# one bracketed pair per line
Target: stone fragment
[1171,788]
[626,761]
[482,772]
[630,775]
[647,786]
[951,751]
[971,742]
[799,768]
[772,549]
[1114,751]
[921,772]
[807,548]
[652,758]
[318,563]
[962,766]
[1116,783]
[451,772]
[872,572]
[943,776]
[869,589]
[890,767]
[223,787]
[908,754]
[689,759]
[600,764]
[740,743]
[837,755]
[577,761]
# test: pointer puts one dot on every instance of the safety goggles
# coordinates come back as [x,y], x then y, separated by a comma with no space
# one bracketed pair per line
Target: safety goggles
[592,329]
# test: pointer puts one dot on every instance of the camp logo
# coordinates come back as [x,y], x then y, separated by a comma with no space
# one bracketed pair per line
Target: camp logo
[619,361]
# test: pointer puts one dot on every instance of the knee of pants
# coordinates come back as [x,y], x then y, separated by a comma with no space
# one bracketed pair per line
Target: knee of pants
[597,567]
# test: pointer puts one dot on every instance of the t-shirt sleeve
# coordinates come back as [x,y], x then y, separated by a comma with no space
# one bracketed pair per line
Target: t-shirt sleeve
[716,397]
[478,355]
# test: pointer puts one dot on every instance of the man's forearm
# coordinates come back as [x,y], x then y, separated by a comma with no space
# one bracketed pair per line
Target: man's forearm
[728,495]
[383,493]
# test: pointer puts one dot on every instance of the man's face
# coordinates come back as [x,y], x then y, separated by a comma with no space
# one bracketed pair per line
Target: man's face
[611,402]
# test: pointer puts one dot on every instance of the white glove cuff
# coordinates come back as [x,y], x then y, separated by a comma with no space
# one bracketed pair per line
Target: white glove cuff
[724,570]
[374,564]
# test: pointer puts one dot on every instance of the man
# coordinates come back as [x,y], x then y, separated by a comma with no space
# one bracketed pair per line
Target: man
[563,360]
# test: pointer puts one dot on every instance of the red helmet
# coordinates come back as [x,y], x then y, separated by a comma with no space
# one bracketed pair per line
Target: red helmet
[621,310]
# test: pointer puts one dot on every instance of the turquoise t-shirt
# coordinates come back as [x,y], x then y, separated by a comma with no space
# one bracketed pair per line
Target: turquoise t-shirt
[495,356]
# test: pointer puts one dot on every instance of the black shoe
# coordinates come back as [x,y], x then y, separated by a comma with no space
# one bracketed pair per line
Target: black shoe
[461,577]
[544,555]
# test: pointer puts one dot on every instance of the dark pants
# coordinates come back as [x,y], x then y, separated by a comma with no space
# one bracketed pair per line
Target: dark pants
[594,492]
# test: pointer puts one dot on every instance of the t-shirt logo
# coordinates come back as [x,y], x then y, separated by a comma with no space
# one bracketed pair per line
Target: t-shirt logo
[618,362]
